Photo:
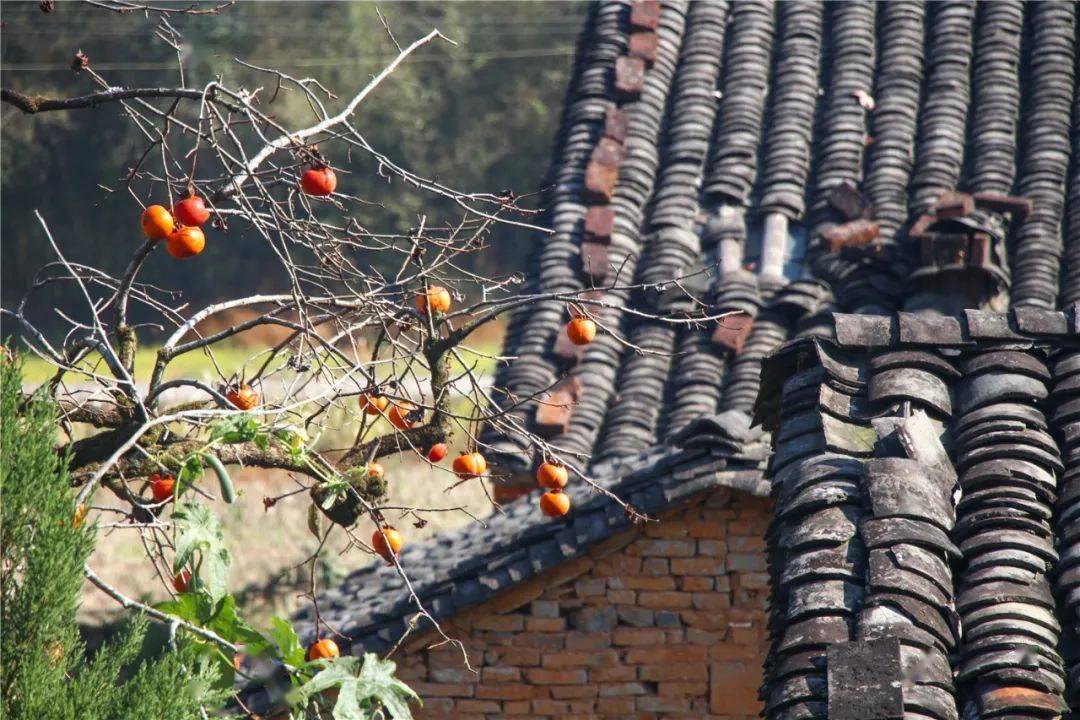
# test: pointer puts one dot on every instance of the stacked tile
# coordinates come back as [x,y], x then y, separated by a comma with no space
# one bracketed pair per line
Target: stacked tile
[1045,158]
[1070,281]
[894,120]
[841,137]
[910,485]
[636,176]
[672,247]
[786,161]
[1066,423]
[535,370]
[817,559]
[943,121]
[1008,463]
[737,134]
[995,96]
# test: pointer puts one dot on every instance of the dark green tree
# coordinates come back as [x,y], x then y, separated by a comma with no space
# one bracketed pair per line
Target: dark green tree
[45,671]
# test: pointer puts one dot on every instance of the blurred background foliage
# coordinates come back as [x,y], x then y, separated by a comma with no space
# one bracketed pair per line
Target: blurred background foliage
[479,116]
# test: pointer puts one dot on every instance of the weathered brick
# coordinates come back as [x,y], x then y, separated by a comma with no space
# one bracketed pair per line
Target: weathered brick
[732,651]
[706,529]
[667,529]
[695,583]
[621,597]
[666,548]
[459,674]
[678,688]
[752,581]
[548,676]
[684,672]
[545,624]
[672,600]
[711,601]
[542,640]
[649,582]
[710,566]
[620,707]
[580,658]
[655,703]
[545,608]
[476,706]
[655,566]
[713,548]
[519,657]
[681,654]
[550,707]
[520,707]
[500,673]
[613,673]
[667,619]
[588,640]
[571,692]
[436,689]
[746,543]
[638,617]
[746,562]
[637,636]
[594,619]
[506,691]
[590,586]
[732,689]
[628,688]
[500,623]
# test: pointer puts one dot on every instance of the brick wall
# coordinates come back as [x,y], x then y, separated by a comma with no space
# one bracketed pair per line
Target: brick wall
[667,621]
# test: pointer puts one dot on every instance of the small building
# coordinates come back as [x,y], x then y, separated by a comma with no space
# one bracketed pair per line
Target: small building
[865,473]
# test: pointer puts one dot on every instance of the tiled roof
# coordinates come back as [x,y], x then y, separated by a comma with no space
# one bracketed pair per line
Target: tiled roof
[886,188]
[927,486]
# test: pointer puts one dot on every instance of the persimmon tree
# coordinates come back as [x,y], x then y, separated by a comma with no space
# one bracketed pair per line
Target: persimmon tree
[385,346]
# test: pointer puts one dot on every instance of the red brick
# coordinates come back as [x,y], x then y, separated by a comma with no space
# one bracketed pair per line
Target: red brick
[638,636]
[537,624]
[673,600]
[476,706]
[628,688]
[571,692]
[613,673]
[698,689]
[620,707]
[506,691]
[511,708]
[715,548]
[519,656]
[654,703]
[674,671]
[684,653]
[550,707]
[645,14]
[499,673]
[733,688]
[648,582]
[588,641]
[666,548]
[547,676]
[710,566]
[621,597]
[500,623]
[733,651]
[673,528]
[695,583]
[580,659]
[706,529]
[426,690]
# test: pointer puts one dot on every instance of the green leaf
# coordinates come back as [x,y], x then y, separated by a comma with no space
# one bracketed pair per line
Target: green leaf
[190,472]
[347,706]
[288,644]
[192,607]
[235,629]
[334,673]
[235,429]
[199,532]
[377,682]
